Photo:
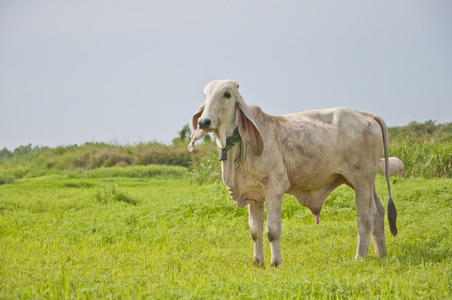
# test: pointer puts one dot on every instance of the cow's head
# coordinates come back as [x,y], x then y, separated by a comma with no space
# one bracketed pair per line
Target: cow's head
[222,111]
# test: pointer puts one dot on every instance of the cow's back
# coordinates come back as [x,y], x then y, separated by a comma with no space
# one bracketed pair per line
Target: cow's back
[318,145]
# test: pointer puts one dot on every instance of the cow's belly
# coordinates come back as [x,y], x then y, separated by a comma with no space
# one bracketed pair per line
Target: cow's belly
[313,195]
[313,182]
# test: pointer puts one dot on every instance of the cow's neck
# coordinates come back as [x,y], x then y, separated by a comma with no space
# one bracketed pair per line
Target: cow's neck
[230,165]
[236,176]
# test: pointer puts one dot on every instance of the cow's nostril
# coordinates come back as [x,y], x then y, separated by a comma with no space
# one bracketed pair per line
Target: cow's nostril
[204,123]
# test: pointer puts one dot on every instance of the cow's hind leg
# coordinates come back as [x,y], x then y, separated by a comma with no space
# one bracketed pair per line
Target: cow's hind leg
[365,213]
[256,213]
[378,232]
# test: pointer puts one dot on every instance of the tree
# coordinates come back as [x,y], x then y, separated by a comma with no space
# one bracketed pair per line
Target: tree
[5,153]
[183,135]
[22,150]
[207,139]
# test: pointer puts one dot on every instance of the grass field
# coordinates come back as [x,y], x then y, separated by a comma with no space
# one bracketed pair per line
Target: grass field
[133,233]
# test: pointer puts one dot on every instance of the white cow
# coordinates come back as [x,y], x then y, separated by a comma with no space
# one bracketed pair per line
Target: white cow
[395,166]
[305,154]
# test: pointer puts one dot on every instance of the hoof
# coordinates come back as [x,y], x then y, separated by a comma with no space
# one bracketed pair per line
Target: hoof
[274,264]
[258,263]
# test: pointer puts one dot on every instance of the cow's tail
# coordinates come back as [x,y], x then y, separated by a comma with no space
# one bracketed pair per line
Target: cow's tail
[392,212]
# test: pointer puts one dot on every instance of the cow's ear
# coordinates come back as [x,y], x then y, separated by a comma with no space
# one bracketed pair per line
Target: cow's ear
[248,129]
[197,133]
[196,116]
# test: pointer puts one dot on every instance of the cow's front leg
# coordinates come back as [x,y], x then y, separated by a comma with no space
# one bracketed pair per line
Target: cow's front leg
[274,208]
[256,218]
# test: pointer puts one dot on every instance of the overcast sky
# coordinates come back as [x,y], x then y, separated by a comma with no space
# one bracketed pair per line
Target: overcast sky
[134,71]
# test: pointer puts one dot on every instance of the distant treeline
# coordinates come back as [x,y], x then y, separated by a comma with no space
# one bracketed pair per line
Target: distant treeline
[425,149]
[415,131]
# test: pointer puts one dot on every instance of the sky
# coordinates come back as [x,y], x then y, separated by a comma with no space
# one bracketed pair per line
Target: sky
[127,72]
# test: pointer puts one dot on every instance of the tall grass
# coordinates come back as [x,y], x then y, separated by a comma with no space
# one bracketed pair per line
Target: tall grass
[424,148]
[206,170]
[429,159]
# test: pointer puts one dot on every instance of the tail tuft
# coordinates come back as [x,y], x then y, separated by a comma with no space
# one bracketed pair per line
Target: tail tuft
[392,217]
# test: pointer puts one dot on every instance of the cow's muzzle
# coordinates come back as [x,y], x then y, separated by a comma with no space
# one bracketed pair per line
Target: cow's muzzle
[204,123]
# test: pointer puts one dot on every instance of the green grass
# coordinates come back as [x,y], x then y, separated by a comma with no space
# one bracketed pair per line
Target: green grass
[116,234]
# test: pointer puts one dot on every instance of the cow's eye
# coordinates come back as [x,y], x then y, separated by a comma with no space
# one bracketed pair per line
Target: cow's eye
[227,95]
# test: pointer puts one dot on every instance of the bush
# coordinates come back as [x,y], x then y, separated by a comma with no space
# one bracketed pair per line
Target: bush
[6,178]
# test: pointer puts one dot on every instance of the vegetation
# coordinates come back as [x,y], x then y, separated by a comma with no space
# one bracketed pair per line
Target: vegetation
[64,237]
[125,222]
[425,149]
[27,160]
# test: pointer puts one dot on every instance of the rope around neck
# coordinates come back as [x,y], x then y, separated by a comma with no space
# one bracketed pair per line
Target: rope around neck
[230,142]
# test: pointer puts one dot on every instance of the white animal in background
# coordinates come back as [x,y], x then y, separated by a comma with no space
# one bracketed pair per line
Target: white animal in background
[305,154]
[395,166]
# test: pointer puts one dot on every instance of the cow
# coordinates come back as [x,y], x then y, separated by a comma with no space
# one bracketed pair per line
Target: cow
[395,166]
[306,154]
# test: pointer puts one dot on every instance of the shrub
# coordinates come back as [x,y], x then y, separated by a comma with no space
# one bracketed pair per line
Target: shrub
[6,178]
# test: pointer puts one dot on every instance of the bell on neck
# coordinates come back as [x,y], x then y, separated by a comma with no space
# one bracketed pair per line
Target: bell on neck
[223,154]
